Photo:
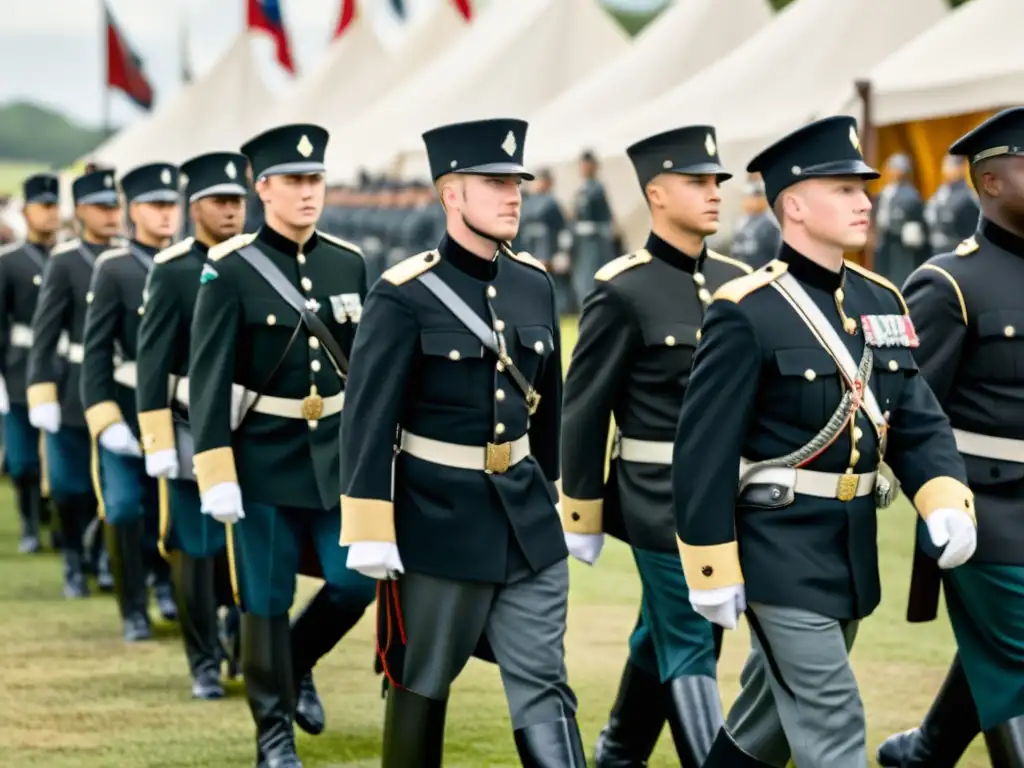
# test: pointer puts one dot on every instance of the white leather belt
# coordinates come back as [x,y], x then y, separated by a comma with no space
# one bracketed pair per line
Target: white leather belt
[824,485]
[987,447]
[23,338]
[587,228]
[493,458]
[645,451]
[76,353]
[268,405]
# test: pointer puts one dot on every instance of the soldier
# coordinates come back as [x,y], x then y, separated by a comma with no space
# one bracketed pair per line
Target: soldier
[274,320]
[952,212]
[592,229]
[372,244]
[424,223]
[966,307]
[758,236]
[791,475]
[637,335]
[460,354]
[546,236]
[54,365]
[21,275]
[902,234]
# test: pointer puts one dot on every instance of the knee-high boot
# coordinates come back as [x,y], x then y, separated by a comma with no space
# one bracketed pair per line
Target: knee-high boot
[635,722]
[68,515]
[193,585]
[551,745]
[695,717]
[413,730]
[726,754]
[1005,744]
[29,509]
[124,547]
[269,688]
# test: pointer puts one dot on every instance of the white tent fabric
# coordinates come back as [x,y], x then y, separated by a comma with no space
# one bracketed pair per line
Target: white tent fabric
[216,112]
[516,58]
[681,41]
[972,60]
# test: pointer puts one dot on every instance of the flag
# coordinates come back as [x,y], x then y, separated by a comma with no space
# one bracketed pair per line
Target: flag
[124,67]
[265,15]
[465,7]
[348,15]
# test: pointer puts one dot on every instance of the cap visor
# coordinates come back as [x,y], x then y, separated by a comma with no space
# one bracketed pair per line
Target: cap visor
[703,169]
[498,169]
[46,198]
[107,198]
[285,169]
[219,190]
[857,168]
[157,196]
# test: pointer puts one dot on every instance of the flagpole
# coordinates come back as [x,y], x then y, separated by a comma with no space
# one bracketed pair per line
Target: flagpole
[105,63]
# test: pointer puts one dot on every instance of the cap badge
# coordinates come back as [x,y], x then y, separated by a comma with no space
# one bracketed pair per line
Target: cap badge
[305,146]
[709,145]
[165,176]
[108,181]
[854,138]
[509,145]
[229,169]
[666,164]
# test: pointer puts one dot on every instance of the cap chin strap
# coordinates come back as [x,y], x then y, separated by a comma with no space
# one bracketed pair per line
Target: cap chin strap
[497,240]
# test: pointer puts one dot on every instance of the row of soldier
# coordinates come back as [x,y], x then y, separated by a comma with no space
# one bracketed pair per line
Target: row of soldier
[237,354]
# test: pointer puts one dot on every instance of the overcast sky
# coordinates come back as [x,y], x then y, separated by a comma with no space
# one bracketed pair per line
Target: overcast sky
[51,51]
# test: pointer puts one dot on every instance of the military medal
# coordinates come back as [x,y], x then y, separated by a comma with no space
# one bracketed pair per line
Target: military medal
[889,331]
[312,405]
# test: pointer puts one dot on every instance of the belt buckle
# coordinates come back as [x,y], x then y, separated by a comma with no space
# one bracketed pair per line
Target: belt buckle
[312,407]
[499,458]
[846,488]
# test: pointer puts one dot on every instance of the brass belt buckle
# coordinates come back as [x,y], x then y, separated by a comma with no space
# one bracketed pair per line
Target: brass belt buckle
[846,488]
[312,407]
[499,458]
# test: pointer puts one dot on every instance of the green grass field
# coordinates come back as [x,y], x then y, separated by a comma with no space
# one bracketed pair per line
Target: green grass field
[73,695]
[13,173]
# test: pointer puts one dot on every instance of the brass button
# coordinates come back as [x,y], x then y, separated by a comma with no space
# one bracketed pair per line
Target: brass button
[698,334]
[499,428]
[500,367]
[314,342]
[499,395]
[670,341]
[704,295]
[301,258]
[454,355]
[1009,331]
[810,375]
[575,516]
[141,311]
[858,433]
[893,365]
[499,325]
[698,278]
[315,365]
[37,280]
[491,291]
[88,298]
[707,570]
[839,295]
[538,347]
[271,319]
[313,424]
[306,283]
[854,457]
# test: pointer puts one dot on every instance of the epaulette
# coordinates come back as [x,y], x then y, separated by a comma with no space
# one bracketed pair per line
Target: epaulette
[412,267]
[66,246]
[616,267]
[876,278]
[174,251]
[339,242]
[230,245]
[741,266]
[524,258]
[739,288]
[110,253]
[968,246]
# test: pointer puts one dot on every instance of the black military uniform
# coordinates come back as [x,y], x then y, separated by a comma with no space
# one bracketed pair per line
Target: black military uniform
[264,402]
[546,236]
[952,215]
[637,336]
[469,509]
[791,475]
[54,369]
[967,309]
[758,237]
[21,275]
[902,240]
[592,245]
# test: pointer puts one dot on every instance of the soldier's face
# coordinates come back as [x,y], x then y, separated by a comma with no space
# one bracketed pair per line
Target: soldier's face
[491,204]
[100,221]
[691,203]
[834,211]
[43,218]
[1005,182]
[296,199]
[221,216]
[160,220]
[953,169]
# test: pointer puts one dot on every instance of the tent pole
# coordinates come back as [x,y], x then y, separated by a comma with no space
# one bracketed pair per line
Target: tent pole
[869,145]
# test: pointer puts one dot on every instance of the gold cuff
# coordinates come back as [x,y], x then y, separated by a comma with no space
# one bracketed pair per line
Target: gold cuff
[215,466]
[41,394]
[582,515]
[366,520]
[943,493]
[712,566]
[101,416]
[157,428]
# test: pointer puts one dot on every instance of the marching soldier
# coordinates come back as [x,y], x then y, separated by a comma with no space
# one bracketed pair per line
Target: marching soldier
[21,274]
[274,320]
[757,237]
[546,236]
[952,212]
[637,335]
[966,308]
[460,352]
[423,224]
[109,377]
[803,402]
[54,365]
[592,245]
[902,233]
[216,200]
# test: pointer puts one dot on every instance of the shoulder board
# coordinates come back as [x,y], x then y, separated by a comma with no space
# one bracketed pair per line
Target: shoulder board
[968,246]
[412,267]
[524,258]
[741,266]
[339,242]
[109,254]
[739,288]
[174,251]
[64,247]
[11,248]
[876,278]
[231,245]
[616,267]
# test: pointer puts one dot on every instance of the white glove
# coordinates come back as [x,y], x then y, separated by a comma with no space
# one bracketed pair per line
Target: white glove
[45,417]
[584,546]
[721,605]
[117,438]
[5,401]
[223,502]
[376,559]
[955,530]
[163,464]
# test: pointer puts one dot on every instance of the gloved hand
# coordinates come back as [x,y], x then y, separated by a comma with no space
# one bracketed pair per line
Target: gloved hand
[722,605]
[117,438]
[5,401]
[376,559]
[584,546]
[163,464]
[223,502]
[955,530]
[45,417]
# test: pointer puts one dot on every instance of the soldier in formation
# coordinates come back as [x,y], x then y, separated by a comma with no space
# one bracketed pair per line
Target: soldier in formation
[901,239]
[592,243]
[757,237]
[952,212]
[638,332]
[546,236]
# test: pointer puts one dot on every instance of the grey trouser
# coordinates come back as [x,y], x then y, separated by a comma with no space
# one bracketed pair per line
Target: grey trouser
[524,623]
[815,709]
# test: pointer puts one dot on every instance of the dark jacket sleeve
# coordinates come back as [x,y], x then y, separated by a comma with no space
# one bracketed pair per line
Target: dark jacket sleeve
[159,330]
[719,401]
[546,423]
[102,320]
[48,321]
[939,315]
[6,306]
[596,375]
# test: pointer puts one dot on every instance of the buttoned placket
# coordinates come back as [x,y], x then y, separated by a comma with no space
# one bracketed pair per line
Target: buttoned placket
[315,364]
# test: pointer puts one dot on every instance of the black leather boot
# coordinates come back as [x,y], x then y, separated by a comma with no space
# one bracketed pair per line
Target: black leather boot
[269,688]
[124,546]
[635,722]
[413,730]
[725,754]
[29,505]
[163,589]
[1005,744]
[231,641]
[695,717]
[193,580]
[551,745]
[74,578]
[945,733]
